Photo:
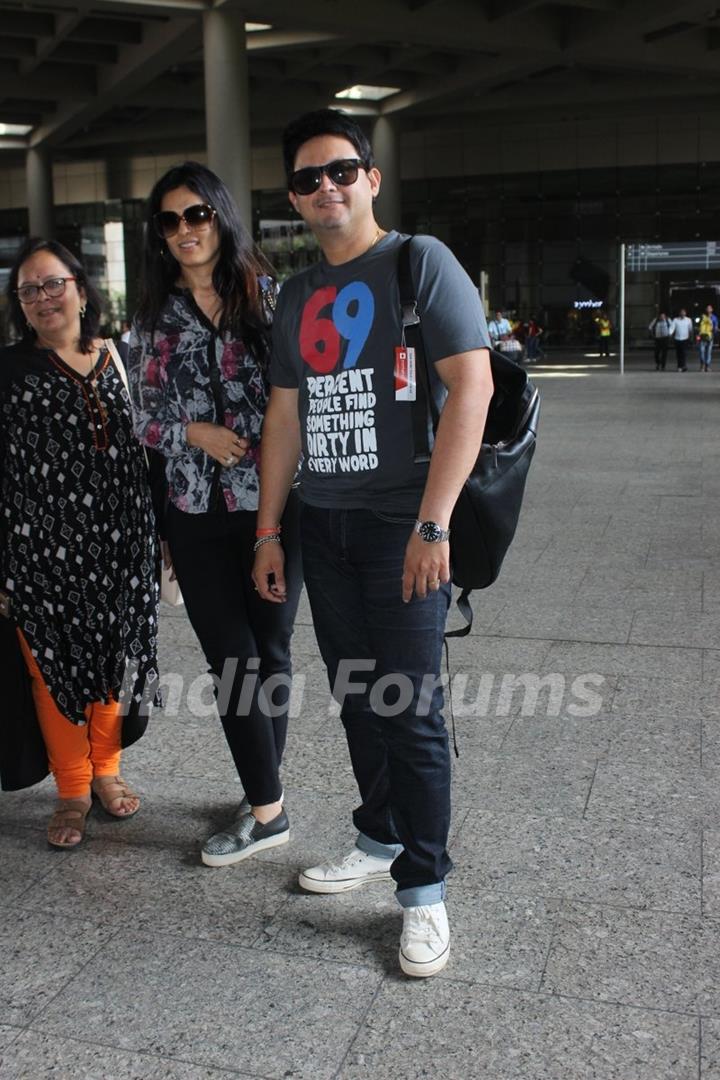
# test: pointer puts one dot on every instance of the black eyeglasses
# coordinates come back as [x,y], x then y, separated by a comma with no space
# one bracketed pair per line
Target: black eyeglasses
[344,172]
[167,222]
[53,287]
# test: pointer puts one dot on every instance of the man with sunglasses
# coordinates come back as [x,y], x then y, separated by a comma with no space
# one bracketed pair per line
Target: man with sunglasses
[375,523]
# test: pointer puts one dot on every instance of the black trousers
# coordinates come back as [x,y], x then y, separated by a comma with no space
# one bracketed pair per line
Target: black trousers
[680,347]
[246,640]
[661,349]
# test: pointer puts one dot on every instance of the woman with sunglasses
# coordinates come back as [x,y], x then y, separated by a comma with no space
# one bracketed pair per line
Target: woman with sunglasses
[198,375]
[77,534]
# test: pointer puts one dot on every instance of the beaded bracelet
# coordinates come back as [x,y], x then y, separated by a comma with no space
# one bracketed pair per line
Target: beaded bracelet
[266,540]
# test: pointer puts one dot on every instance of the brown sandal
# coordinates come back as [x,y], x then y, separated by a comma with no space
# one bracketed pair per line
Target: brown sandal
[70,814]
[108,789]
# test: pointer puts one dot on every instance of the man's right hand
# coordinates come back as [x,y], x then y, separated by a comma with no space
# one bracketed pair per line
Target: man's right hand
[268,572]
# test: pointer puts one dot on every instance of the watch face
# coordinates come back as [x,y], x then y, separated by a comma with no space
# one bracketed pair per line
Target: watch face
[430,532]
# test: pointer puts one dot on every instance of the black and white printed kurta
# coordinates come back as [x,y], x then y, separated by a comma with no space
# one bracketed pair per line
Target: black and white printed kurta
[78,551]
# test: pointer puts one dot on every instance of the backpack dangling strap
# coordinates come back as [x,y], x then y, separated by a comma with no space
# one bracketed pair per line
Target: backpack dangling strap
[465,608]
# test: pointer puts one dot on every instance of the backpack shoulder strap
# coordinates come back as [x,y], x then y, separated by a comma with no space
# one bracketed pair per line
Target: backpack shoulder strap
[423,418]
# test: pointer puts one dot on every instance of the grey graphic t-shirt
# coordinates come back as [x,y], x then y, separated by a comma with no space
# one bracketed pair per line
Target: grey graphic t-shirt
[335,333]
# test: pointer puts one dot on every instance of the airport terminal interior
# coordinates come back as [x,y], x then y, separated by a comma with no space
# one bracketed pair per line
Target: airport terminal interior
[534,138]
[569,155]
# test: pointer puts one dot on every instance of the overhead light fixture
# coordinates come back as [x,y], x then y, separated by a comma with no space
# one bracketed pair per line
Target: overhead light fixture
[254,27]
[15,129]
[362,92]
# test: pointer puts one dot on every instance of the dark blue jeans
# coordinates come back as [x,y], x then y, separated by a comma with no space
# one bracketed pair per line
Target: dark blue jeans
[383,659]
[706,353]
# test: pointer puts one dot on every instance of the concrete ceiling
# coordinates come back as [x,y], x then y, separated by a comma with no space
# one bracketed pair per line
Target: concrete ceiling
[107,77]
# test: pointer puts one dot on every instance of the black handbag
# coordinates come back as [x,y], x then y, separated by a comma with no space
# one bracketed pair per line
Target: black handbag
[23,757]
[486,514]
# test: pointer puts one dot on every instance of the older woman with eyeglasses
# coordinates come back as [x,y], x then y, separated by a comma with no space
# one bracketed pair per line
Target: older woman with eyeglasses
[198,375]
[77,555]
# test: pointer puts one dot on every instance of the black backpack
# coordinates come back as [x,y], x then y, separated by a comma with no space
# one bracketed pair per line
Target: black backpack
[486,513]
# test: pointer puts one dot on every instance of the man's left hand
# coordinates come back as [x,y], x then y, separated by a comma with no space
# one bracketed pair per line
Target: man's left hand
[426,567]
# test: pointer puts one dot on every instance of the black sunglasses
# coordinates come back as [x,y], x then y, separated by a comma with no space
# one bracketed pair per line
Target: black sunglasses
[344,172]
[167,222]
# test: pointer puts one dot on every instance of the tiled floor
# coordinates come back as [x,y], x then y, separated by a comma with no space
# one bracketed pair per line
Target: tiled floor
[585,903]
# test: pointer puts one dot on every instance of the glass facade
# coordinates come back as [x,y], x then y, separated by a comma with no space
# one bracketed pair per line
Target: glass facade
[547,241]
[550,241]
[105,236]
[289,245]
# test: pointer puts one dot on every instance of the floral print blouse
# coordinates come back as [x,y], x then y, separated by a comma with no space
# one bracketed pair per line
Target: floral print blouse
[187,371]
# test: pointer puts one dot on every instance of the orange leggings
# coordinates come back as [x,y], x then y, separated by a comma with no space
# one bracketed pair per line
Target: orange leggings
[76,753]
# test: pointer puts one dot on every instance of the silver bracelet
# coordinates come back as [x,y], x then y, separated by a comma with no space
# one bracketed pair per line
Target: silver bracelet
[275,538]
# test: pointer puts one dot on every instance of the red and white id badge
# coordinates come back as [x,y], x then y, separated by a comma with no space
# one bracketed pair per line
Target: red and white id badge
[405,386]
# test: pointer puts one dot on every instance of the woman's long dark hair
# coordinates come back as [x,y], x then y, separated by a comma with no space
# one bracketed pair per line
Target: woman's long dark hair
[89,322]
[238,267]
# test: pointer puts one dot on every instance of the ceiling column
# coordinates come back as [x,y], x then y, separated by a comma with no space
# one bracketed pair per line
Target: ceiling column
[386,145]
[39,183]
[227,110]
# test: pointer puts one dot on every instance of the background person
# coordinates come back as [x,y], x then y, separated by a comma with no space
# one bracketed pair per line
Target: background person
[532,340]
[78,547]
[682,333]
[660,328]
[707,329]
[499,329]
[604,330]
[197,365]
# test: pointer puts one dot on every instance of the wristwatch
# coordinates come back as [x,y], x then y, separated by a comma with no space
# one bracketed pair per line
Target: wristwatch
[431,532]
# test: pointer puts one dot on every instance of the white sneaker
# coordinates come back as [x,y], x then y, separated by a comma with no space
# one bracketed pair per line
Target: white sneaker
[425,940]
[357,868]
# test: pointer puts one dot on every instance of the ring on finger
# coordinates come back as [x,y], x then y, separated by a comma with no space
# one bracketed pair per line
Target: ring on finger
[230,460]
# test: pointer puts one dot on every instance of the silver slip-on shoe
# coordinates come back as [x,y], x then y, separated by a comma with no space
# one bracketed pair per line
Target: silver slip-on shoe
[245,838]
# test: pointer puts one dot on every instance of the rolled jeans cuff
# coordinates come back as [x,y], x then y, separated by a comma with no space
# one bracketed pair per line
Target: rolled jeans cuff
[375,848]
[421,895]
